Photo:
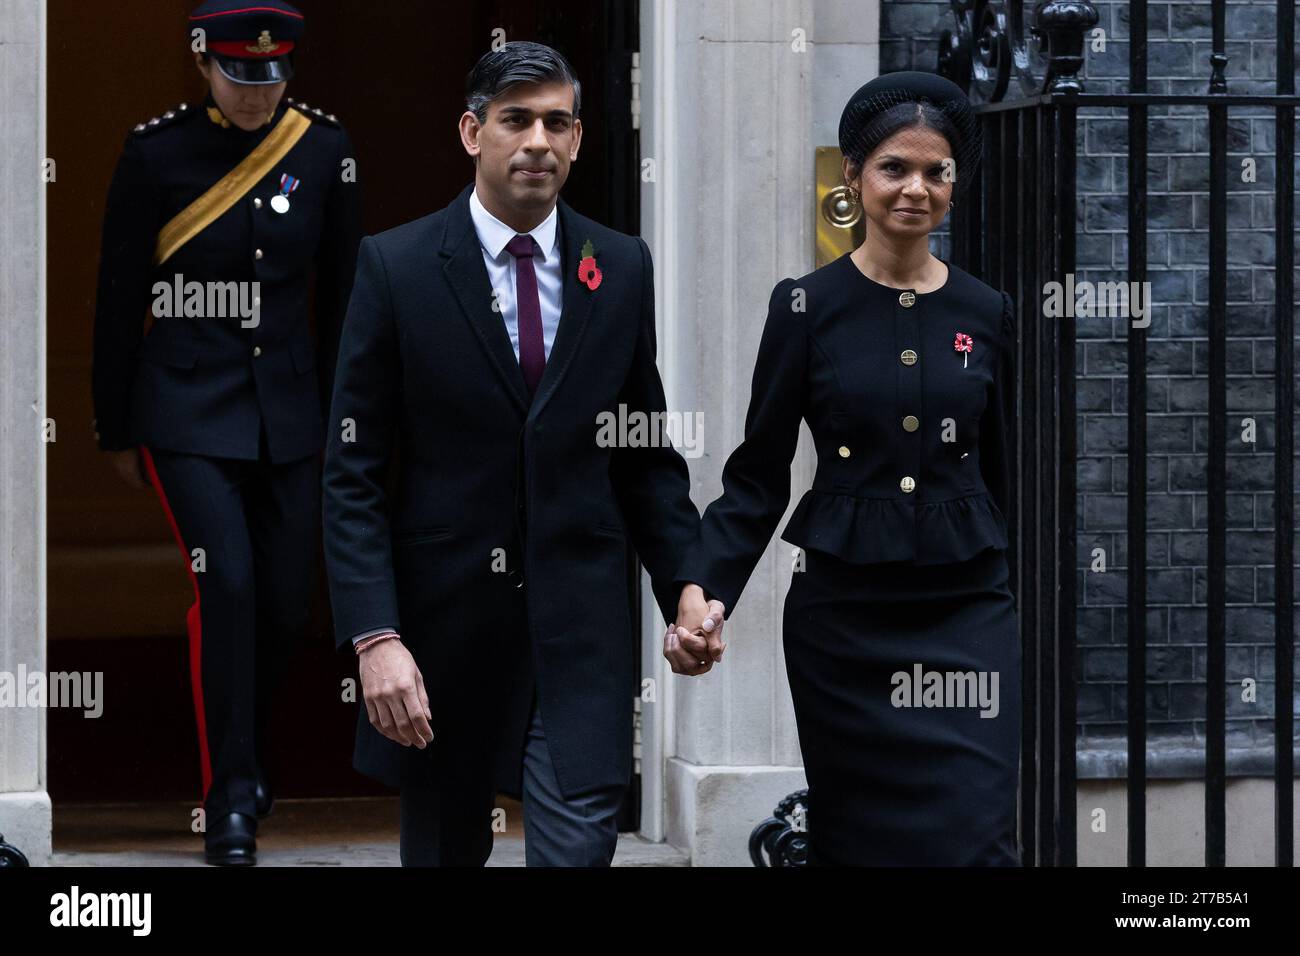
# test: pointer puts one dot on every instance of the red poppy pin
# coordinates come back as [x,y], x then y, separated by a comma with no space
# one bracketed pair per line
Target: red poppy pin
[964,343]
[588,271]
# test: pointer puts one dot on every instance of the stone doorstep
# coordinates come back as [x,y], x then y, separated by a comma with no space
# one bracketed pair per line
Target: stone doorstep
[508,851]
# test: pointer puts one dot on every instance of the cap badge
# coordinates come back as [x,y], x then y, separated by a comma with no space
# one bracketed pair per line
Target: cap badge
[264,44]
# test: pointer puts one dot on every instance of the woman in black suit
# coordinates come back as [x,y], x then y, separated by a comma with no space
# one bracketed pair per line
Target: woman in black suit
[900,631]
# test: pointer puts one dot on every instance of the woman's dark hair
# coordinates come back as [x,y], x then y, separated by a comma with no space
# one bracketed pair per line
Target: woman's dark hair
[911,114]
[519,61]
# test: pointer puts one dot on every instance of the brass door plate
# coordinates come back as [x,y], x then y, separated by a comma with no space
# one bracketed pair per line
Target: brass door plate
[840,226]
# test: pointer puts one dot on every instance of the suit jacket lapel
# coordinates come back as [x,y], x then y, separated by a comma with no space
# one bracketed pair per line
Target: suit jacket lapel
[468,278]
[577,303]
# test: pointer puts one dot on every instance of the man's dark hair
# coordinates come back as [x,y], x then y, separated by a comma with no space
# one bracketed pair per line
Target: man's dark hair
[519,61]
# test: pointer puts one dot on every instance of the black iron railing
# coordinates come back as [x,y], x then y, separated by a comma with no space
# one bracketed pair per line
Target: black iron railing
[1017,230]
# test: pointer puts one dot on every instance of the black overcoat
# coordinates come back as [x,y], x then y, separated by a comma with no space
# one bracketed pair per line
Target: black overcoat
[500,501]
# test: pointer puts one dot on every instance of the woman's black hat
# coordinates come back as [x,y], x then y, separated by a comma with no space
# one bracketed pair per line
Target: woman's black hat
[861,130]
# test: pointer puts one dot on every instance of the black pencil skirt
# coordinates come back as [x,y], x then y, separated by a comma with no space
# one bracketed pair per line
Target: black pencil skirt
[906,687]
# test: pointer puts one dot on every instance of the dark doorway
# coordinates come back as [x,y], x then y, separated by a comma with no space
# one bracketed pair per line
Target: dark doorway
[393,71]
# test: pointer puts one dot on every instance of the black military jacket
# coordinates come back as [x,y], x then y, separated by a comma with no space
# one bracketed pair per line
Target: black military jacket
[204,384]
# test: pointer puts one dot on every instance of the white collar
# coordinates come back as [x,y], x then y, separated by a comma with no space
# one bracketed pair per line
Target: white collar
[493,234]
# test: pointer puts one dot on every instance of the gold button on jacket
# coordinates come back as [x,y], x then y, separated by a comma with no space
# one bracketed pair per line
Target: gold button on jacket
[889,429]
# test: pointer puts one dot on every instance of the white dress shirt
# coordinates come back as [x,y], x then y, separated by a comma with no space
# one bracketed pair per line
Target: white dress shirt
[493,235]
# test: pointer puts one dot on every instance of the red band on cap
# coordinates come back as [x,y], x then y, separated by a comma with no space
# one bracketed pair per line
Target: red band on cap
[247,49]
[231,13]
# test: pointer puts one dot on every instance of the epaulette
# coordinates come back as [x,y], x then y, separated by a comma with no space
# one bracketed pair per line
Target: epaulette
[158,122]
[313,112]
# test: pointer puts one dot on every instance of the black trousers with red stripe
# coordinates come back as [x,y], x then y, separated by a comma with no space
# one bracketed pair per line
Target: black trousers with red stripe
[257,525]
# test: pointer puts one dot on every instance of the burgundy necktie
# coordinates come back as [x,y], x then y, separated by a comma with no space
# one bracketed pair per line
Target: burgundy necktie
[528,312]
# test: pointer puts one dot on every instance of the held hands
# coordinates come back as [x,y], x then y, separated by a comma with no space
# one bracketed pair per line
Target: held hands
[694,644]
[394,693]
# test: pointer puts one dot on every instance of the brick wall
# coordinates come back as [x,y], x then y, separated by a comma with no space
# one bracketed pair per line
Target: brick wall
[1178,397]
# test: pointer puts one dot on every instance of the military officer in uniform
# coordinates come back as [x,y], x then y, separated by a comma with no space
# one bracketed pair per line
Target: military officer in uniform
[218,217]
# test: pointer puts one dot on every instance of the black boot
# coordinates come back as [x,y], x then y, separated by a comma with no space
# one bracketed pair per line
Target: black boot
[265,798]
[230,841]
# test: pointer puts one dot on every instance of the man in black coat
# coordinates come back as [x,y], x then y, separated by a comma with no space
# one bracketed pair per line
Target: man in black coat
[486,594]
